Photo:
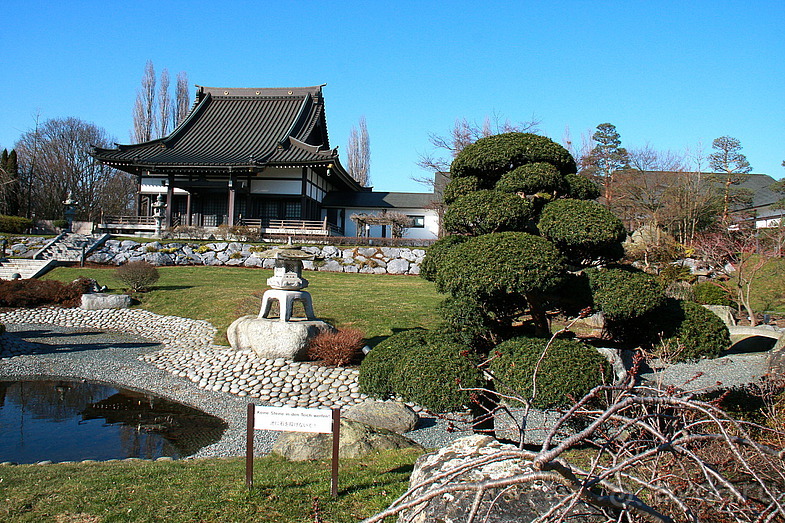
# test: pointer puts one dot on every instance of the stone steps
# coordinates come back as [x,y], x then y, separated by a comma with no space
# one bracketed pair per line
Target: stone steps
[26,268]
[68,247]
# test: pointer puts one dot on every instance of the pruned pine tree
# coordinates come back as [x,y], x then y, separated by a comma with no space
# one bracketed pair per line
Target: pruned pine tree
[359,153]
[731,165]
[606,159]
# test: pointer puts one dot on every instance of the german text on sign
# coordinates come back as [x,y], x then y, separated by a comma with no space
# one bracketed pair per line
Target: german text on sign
[293,419]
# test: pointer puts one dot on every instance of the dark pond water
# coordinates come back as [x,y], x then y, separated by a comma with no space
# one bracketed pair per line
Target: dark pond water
[70,421]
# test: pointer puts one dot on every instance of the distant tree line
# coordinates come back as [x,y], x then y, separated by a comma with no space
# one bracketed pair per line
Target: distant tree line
[52,160]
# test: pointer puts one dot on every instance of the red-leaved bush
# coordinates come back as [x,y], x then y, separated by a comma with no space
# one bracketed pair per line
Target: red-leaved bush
[35,293]
[338,348]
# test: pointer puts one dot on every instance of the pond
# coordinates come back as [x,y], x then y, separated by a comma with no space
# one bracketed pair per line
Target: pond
[76,420]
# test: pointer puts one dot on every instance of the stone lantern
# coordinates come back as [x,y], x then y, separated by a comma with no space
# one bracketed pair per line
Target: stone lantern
[159,214]
[70,210]
[286,336]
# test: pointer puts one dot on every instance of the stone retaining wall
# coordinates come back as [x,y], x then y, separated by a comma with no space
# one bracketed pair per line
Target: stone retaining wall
[368,260]
[371,260]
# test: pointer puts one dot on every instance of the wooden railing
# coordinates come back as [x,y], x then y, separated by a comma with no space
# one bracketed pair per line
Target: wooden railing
[128,220]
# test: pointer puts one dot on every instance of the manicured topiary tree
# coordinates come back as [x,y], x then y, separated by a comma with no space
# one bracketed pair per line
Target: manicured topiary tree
[521,231]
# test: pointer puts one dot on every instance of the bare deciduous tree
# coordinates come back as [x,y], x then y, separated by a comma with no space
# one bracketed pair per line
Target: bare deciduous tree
[359,153]
[462,134]
[164,106]
[55,159]
[144,107]
[182,99]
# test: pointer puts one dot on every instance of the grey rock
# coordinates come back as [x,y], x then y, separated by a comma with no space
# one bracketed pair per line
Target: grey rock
[390,415]
[331,251]
[524,502]
[129,244]
[414,269]
[99,300]
[272,338]
[158,258]
[391,252]
[398,266]
[356,440]
[331,266]
[724,313]
[368,252]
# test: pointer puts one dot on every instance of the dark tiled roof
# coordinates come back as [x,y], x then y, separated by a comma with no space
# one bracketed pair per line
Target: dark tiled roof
[237,127]
[379,200]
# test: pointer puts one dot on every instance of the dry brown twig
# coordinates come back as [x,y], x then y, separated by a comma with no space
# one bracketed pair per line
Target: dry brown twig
[657,455]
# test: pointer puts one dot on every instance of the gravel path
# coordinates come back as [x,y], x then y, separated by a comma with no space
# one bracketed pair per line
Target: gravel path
[174,357]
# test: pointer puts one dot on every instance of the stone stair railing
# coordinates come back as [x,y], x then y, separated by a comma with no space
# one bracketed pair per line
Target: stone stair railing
[69,247]
[25,268]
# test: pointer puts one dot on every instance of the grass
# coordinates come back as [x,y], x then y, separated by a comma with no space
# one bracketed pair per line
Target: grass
[376,304]
[203,490]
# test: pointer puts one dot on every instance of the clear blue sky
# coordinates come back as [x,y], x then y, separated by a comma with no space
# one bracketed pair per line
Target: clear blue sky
[671,74]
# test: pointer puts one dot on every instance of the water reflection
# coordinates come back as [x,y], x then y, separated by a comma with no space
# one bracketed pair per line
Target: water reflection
[65,420]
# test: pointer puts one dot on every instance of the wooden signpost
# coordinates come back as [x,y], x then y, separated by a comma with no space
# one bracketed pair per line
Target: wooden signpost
[293,419]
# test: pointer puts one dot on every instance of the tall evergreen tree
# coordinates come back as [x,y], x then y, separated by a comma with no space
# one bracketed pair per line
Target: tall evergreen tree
[605,159]
[728,162]
[9,183]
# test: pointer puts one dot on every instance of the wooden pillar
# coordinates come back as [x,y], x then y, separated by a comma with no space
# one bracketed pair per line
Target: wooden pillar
[139,195]
[169,201]
[188,209]
[231,201]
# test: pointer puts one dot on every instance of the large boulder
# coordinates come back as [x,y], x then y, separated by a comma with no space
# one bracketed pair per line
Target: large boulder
[99,300]
[522,502]
[356,440]
[390,415]
[272,338]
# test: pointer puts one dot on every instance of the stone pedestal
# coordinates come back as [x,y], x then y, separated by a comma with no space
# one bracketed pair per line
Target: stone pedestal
[286,301]
[271,338]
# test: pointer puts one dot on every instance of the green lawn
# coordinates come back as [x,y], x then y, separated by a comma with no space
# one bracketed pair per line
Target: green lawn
[204,490]
[376,304]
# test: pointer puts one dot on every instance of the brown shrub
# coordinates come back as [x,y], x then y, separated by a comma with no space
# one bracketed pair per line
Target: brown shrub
[35,293]
[138,276]
[338,348]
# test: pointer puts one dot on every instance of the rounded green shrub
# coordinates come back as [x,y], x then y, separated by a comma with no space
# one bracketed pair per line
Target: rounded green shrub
[476,323]
[581,188]
[707,293]
[424,367]
[695,330]
[483,212]
[378,365]
[490,157]
[433,256]
[457,187]
[433,377]
[532,178]
[569,370]
[583,230]
[625,294]
[501,263]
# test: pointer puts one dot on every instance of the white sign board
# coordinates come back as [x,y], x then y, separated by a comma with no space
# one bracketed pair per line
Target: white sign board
[293,419]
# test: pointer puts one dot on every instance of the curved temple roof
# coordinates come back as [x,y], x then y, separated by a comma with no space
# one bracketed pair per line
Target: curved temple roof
[238,129]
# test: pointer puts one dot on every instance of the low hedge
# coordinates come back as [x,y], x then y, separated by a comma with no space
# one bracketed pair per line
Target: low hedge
[569,370]
[14,224]
[35,293]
